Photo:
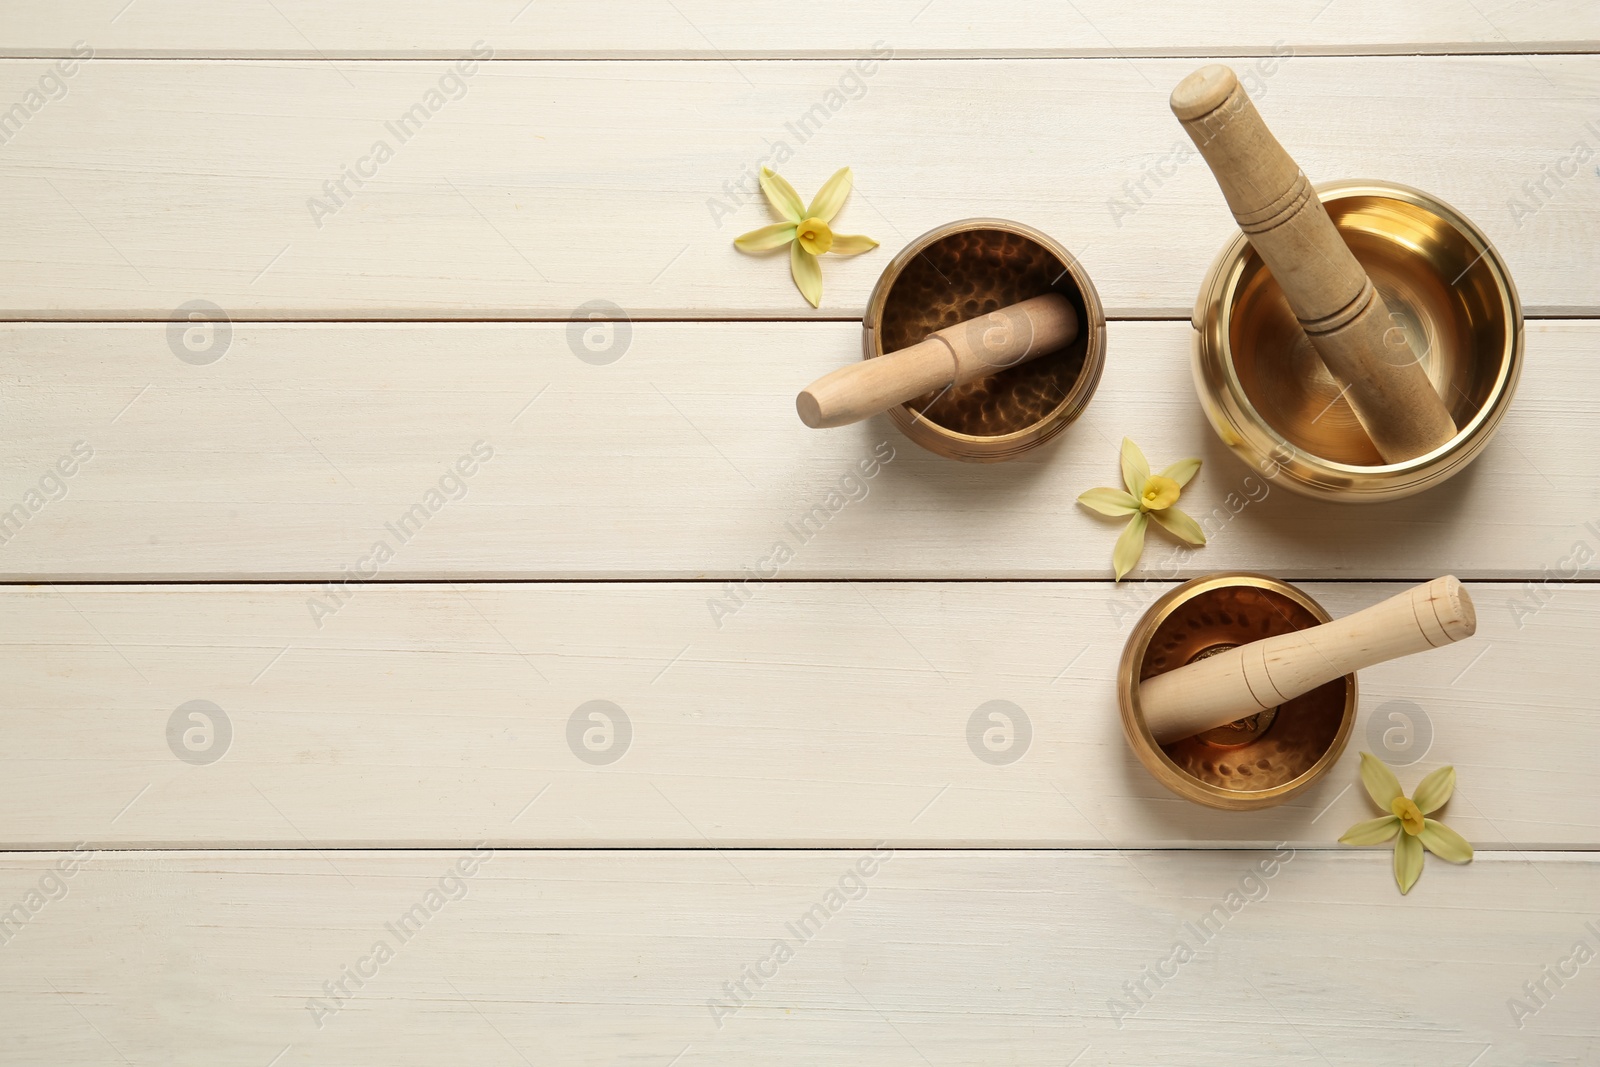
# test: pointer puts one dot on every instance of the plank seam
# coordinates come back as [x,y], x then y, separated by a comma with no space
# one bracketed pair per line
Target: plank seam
[24,583]
[1543,315]
[1450,50]
[1500,851]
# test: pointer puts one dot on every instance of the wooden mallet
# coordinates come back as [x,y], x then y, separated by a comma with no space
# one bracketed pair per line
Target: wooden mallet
[954,355]
[1263,674]
[1345,318]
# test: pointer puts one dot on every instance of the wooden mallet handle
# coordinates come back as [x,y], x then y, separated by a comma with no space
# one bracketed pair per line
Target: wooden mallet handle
[956,355]
[1263,674]
[1345,318]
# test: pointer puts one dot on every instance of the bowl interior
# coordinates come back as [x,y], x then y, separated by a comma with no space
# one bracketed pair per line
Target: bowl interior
[1264,751]
[970,273]
[1442,292]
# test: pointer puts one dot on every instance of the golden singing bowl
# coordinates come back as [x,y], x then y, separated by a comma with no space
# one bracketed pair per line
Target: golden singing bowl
[961,271]
[1260,760]
[1268,395]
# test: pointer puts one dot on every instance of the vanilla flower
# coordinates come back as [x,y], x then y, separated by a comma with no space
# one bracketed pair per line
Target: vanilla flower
[1149,496]
[1406,821]
[806,230]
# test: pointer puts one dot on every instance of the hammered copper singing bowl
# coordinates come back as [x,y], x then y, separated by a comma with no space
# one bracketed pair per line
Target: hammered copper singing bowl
[1268,395]
[1258,761]
[961,271]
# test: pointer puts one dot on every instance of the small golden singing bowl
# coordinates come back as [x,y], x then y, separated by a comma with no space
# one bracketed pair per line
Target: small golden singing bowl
[1268,395]
[1258,761]
[961,271]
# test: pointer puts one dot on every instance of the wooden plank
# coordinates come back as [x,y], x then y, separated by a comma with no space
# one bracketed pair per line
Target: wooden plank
[953,958]
[534,188]
[717,29]
[293,454]
[815,715]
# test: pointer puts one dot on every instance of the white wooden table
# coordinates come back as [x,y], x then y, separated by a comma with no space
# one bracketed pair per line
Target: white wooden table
[396,828]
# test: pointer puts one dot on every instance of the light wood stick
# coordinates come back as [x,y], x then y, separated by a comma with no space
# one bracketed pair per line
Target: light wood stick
[1263,674]
[1345,318]
[955,355]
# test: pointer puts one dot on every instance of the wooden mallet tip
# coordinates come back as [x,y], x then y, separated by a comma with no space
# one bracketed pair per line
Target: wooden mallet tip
[1203,91]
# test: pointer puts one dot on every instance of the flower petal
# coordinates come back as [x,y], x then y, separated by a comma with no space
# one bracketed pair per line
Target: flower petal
[1372,832]
[1444,842]
[1180,525]
[766,238]
[1130,546]
[781,195]
[830,198]
[851,244]
[807,274]
[1382,785]
[1113,502]
[1434,790]
[1407,862]
[1182,471]
[1135,468]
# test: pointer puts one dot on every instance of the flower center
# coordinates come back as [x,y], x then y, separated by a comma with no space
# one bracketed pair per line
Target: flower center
[1159,493]
[1409,814]
[815,236]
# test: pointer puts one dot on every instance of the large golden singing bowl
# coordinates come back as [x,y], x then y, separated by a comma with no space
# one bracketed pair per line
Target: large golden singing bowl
[1265,758]
[1267,394]
[961,271]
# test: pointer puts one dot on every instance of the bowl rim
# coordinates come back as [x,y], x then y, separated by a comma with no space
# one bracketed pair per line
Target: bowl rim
[1072,404]
[1143,742]
[1248,433]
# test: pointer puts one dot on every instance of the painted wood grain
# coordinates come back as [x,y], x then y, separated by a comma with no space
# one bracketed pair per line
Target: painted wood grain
[303,446]
[719,29]
[615,749]
[827,714]
[528,190]
[945,957]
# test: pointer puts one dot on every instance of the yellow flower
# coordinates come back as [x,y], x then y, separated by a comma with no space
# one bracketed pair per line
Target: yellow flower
[1160,493]
[814,236]
[1407,822]
[1149,496]
[806,230]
